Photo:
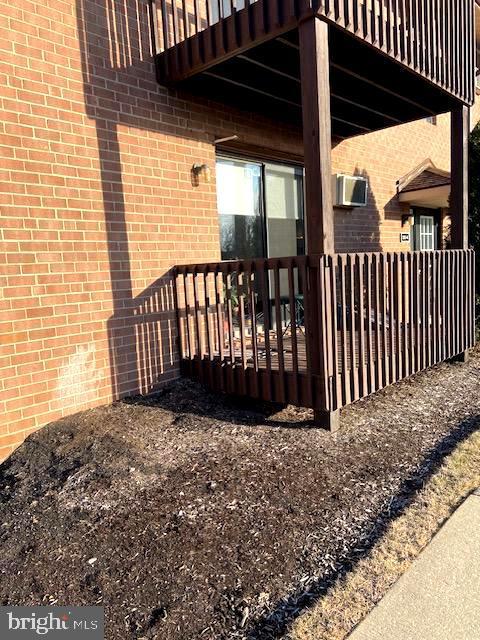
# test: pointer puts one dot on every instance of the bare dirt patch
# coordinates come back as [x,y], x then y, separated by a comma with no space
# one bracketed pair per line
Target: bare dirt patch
[194,516]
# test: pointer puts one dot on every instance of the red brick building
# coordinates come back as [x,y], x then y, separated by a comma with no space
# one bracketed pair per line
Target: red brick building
[98,201]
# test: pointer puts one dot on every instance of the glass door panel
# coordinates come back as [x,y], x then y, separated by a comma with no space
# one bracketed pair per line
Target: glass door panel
[239,199]
[285,228]
[284,210]
[427,233]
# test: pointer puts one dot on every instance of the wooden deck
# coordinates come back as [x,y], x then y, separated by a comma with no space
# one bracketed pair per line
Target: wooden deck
[417,309]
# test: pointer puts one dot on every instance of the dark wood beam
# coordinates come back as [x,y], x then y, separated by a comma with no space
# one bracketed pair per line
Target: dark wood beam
[460,130]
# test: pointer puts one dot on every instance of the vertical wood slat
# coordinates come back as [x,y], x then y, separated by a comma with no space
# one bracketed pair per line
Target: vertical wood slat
[391,317]
[452,309]
[322,324]
[242,326]
[304,286]
[434,308]
[380,380]
[428,315]
[198,331]
[208,332]
[442,291]
[264,285]
[333,270]
[405,319]
[383,293]
[220,324]
[463,318]
[423,308]
[352,273]
[360,263]
[443,40]
[190,335]
[231,344]
[456,303]
[472,297]
[346,397]
[279,332]
[398,312]
[403,31]
[448,310]
[369,320]
[349,15]
[251,279]
[388,26]
[411,314]
[396,41]
[293,328]
[427,36]
[382,27]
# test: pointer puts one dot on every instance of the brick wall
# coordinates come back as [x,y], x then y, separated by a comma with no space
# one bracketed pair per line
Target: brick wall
[97,204]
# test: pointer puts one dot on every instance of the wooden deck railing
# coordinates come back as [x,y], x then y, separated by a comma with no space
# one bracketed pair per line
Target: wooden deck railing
[435,38]
[323,331]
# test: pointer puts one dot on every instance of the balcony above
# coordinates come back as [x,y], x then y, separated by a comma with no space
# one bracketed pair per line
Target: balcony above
[391,61]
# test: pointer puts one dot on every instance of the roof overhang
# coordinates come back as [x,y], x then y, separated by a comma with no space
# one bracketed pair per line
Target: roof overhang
[432,198]
[425,186]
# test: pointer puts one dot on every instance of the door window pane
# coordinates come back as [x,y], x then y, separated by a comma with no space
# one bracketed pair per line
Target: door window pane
[284,210]
[239,207]
[427,233]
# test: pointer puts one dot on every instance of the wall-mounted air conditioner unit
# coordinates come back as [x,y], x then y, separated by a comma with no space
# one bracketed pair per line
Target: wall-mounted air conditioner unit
[350,191]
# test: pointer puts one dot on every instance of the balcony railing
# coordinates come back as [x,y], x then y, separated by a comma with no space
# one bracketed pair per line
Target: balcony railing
[434,38]
[323,331]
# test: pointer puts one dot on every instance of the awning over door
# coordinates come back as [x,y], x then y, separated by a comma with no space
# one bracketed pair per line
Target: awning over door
[425,186]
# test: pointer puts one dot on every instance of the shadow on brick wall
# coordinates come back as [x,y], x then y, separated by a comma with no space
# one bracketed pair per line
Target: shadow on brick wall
[120,90]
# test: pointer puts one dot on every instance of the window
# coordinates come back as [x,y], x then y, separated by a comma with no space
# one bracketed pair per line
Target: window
[260,207]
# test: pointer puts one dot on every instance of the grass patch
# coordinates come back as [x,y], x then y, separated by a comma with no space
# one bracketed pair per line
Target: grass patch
[345,605]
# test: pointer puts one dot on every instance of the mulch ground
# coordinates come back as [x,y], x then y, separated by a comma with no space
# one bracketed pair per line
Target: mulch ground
[194,516]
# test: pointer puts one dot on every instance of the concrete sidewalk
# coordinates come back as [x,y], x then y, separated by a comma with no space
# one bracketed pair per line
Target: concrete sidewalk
[438,598]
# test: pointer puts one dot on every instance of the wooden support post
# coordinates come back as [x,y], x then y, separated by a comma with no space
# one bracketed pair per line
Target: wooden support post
[329,420]
[317,146]
[317,137]
[460,131]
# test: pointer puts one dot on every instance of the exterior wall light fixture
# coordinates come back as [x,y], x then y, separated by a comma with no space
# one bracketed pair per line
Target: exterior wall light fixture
[201,174]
